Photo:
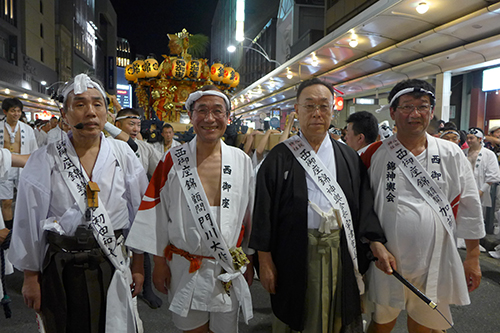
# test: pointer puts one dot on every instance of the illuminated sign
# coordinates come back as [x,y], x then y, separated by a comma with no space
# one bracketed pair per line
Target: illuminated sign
[490,79]
[123,89]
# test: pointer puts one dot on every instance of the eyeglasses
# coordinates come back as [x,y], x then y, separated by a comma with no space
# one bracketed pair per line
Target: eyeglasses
[217,113]
[407,109]
[323,108]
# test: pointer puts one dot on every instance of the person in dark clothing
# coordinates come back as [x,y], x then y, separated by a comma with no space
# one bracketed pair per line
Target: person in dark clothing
[314,235]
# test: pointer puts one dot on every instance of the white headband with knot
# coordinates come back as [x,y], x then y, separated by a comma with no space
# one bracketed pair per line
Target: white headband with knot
[81,83]
[411,90]
[193,97]
[476,132]
[131,116]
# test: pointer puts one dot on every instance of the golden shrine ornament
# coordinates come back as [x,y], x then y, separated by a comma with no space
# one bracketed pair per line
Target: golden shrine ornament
[228,75]
[217,72]
[179,68]
[129,73]
[139,69]
[152,68]
[194,69]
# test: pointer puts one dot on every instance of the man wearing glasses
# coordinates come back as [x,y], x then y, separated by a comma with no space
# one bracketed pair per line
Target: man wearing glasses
[195,218]
[425,197]
[313,208]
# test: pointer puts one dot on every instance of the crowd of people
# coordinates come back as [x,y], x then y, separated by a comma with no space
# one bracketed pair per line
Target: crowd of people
[324,221]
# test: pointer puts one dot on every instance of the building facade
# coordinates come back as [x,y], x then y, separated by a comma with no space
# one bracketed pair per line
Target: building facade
[45,42]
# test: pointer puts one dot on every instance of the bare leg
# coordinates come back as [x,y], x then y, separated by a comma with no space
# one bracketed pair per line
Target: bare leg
[414,327]
[7,209]
[148,294]
[381,328]
[201,329]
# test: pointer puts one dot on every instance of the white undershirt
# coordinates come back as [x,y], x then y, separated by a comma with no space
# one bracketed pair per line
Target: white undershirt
[326,155]
[416,224]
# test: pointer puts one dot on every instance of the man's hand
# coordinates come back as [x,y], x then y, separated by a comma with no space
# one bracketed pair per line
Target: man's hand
[3,234]
[268,273]
[385,260]
[161,275]
[112,116]
[31,290]
[249,273]
[137,269]
[471,264]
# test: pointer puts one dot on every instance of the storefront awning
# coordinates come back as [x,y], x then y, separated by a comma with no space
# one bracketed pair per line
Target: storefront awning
[394,43]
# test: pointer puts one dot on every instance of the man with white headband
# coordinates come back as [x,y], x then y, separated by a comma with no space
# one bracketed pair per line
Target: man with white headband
[129,121]
[76,201]
[196,218]
[425,197]
[484,165]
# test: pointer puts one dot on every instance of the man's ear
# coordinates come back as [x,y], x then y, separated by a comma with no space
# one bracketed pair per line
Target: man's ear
[361,138]
[118,124]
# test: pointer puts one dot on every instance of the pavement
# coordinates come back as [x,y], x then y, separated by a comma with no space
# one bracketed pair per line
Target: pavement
[482,316]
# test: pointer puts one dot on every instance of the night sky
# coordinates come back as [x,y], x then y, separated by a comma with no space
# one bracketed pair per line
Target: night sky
[145,23]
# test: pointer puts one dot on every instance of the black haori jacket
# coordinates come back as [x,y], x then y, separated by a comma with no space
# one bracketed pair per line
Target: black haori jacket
[280,227]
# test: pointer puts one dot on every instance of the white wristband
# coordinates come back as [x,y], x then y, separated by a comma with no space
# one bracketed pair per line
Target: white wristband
[112,129]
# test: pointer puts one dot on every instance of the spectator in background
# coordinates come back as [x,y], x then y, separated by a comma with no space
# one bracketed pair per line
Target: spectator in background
[362,131]
[450,134]
[484,165]
[59,132]
[19,138]
[167,142]
[492,141]
[53,122]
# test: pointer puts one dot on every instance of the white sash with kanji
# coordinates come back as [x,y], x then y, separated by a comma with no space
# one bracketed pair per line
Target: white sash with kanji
[430,191]
[120,315]
[184,159]
[322,177]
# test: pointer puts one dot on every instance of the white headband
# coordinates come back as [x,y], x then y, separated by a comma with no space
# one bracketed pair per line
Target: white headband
[81,83]
[476,132]
[128,116]
[384,131]
[193,97]
[410,90]
[449,132]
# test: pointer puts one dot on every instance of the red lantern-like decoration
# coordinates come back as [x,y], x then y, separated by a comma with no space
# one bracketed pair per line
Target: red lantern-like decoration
[179,68]
[129,73]
[236,80]
[339,103]
[139,69]
[194,69]
[228,75]
[151,67]
[217,72]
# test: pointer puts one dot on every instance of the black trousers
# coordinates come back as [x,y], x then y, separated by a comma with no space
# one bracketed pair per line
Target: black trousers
[74,287]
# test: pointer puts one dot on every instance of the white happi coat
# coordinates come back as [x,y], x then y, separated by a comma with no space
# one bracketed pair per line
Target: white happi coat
[164,218]
[415,232]
[55,134]
[148,156]
[41,137]
[5,165]
[44,196]
[485,171]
